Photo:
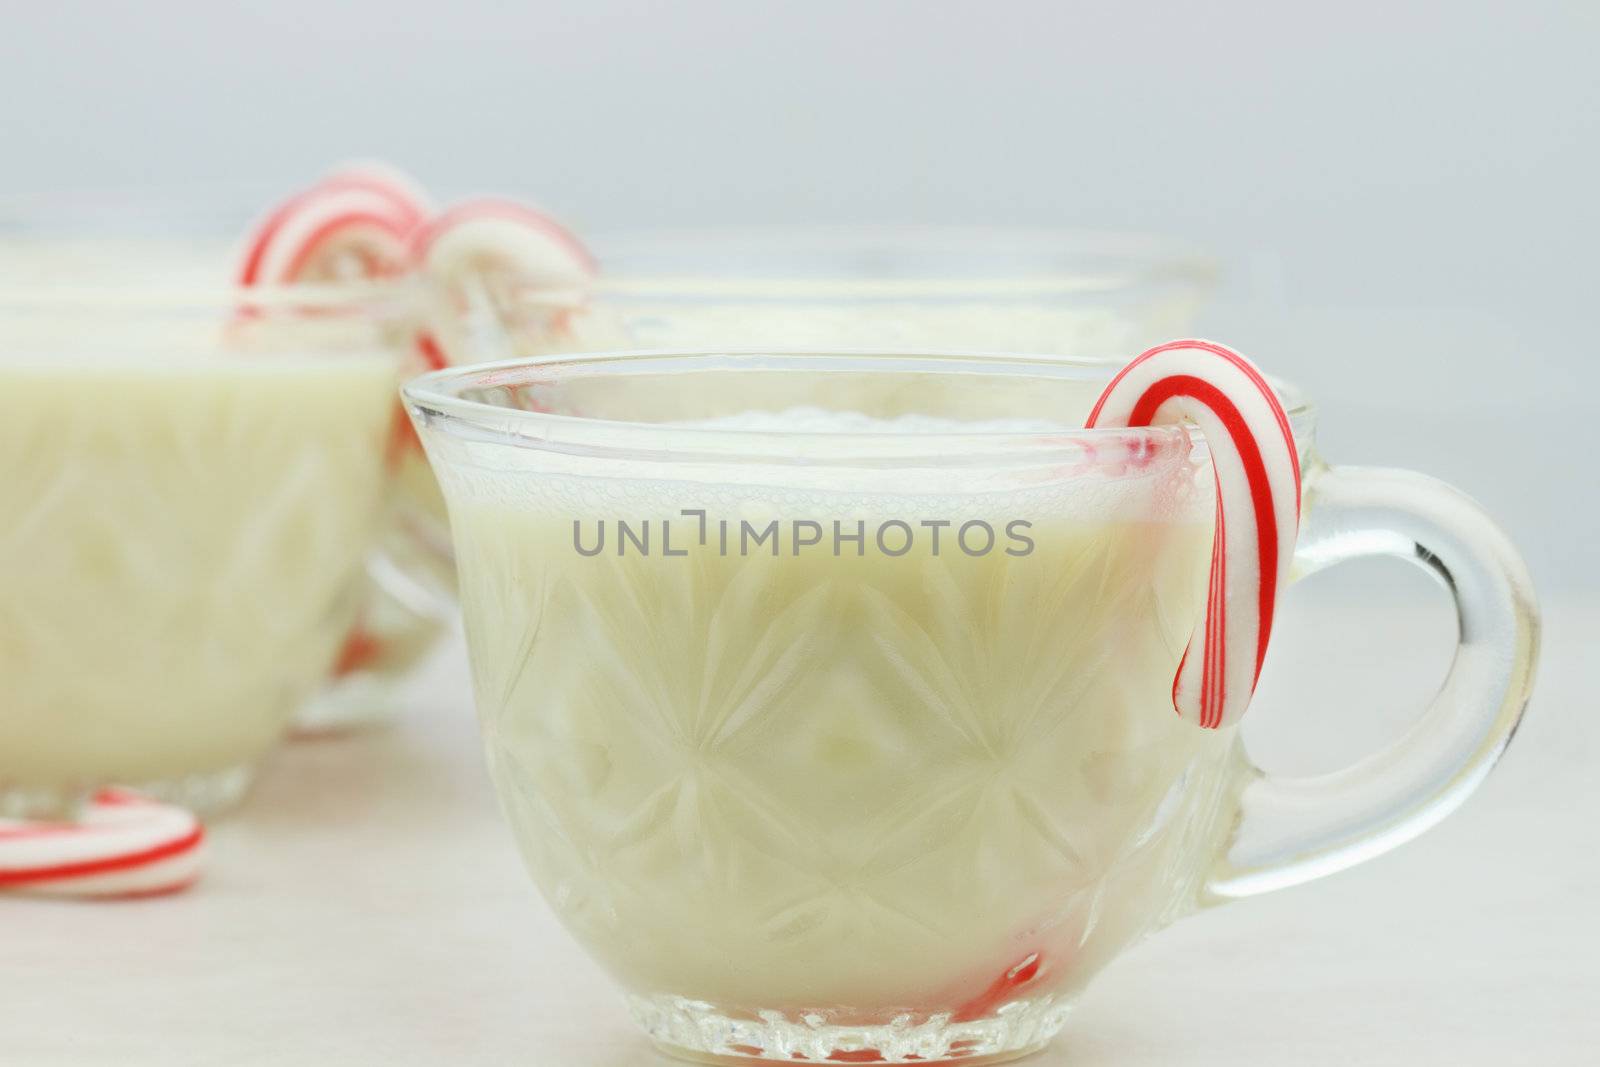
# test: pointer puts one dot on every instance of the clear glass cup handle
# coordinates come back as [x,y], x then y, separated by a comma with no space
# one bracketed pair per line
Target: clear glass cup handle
[1292,830]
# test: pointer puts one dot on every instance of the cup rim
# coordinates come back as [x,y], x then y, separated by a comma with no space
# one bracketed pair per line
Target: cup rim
[122,299]
[893,261]
[437,398]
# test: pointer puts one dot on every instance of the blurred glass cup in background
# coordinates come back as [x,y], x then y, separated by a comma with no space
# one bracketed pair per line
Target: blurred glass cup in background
[191,477]
[167,256]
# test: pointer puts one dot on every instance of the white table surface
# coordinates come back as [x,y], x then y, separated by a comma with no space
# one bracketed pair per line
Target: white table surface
[366,907]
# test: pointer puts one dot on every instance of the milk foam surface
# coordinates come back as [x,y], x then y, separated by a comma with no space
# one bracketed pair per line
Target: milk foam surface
[802,462]
[815,420]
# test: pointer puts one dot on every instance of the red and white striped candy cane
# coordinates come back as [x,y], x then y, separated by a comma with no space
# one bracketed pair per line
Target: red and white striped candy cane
[123,845]
[359,217]
[502,249]
[1258,508]
[404,191]
[356,223]
[531,248]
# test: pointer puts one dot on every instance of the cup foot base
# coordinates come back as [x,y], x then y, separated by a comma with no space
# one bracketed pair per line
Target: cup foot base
[206,794]
[698,1032]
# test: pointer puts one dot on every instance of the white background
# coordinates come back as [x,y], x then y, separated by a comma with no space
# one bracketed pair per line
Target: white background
[1404,193]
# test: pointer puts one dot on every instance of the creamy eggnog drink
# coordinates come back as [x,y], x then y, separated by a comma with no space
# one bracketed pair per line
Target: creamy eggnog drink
[882,777]
[182,249]
[880,738]
[188,497]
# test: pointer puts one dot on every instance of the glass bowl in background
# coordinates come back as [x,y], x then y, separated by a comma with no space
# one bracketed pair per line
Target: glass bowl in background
[1072,293]
[192,478]
[182,246]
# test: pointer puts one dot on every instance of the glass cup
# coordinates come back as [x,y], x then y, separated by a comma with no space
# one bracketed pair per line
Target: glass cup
[1075,293]
[106,243]
[829,696]
[191,480]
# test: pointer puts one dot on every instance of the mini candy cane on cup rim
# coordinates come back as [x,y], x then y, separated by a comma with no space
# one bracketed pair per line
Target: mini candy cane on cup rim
[499,251]
[400,188]
[527,242]
[1257,472]
[122,846]
[367,212]
[360,211]
[381,220]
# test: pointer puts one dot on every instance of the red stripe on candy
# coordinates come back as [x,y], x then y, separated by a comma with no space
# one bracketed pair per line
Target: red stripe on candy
[103,865]
[431,353]
[1220,617]
[316,241]
[505,210]
[407,216]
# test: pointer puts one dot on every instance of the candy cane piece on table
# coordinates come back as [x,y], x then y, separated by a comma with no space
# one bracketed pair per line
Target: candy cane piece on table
[122,845]
[1257,471]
